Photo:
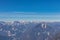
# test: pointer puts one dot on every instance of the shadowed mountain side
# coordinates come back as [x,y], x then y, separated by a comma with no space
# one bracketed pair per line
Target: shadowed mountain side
[4,37]
[57,36]
[31,34]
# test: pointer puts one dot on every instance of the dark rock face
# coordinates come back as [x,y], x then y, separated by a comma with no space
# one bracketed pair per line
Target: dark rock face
[4,38]
[29,30]
[56,36]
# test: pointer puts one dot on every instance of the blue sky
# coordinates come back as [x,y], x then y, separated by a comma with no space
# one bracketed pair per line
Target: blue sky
[10,8]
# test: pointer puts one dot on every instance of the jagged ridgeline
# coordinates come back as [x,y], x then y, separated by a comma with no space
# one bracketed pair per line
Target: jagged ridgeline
[23,30]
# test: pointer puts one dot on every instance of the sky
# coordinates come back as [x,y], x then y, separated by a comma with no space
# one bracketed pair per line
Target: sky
[29,10]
